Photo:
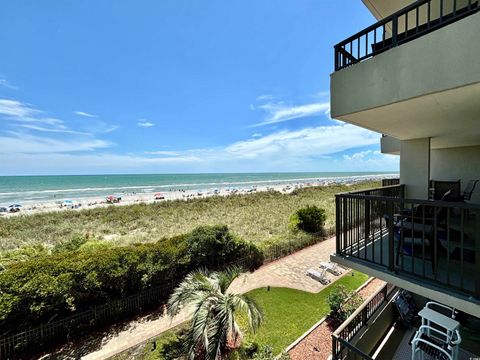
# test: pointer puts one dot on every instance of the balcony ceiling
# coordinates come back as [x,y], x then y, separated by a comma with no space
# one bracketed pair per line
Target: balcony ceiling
[383,8]
[451,118]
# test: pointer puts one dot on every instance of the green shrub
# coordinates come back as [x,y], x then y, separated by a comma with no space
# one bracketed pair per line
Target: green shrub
[342,304]
[337,298]
[310,219]
[266,353]
[172,347]
[39,287]
[216,246]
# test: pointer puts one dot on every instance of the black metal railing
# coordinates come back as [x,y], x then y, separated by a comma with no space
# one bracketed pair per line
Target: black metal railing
[409,23]
[390,181]
[341,338]
[435,241]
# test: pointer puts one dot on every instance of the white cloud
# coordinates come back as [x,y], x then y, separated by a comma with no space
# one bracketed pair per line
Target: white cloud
[279,112]
[314,141]
[145,123]
[59,129]
[369,159]
[309,149]
[284,146]
[358,155]
[20,143]
[163,152]
[256,135]
[83,113]
[4,83]
[16,109]
[265,97]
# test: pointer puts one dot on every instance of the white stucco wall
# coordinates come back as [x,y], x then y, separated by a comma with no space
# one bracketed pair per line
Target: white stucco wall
[457,163]
[415,167]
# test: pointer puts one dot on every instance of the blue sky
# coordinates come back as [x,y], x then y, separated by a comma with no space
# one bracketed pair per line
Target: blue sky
[100,86]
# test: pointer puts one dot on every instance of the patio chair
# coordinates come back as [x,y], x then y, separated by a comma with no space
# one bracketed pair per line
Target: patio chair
[331,267]
[441,187]
[468,191]
[423,343]
[318,275]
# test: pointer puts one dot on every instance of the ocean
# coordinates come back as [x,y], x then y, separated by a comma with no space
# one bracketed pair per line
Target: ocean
[37,189]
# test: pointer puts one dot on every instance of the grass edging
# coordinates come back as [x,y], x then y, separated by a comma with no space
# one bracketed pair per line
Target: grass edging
[298,340]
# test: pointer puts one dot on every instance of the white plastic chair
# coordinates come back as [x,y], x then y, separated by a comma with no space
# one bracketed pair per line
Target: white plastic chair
[423,343]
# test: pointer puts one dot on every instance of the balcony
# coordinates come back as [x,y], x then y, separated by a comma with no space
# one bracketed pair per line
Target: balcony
[425,246]
[409,23]
[414,74]
[376,331]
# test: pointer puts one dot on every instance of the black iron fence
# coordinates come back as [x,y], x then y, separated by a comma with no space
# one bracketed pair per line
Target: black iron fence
[342,337]
[435,241]
[33,340]
[409,23]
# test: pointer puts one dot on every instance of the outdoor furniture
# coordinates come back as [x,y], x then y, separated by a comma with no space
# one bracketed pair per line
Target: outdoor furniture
[318,275]
[441,187]
[331,267]
[427,341]
[439,335]
[467,193]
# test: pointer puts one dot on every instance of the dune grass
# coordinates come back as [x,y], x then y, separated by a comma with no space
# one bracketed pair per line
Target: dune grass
[259,217]
[289,313]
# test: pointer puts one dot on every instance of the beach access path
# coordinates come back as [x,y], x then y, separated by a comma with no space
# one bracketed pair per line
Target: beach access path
[289,271]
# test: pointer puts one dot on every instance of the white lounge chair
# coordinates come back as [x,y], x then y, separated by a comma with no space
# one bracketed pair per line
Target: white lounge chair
[330,267]
[318,275]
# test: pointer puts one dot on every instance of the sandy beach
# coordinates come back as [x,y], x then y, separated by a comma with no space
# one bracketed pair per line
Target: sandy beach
[81,203]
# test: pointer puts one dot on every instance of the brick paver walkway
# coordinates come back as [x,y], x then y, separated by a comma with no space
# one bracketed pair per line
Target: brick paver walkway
[289,271]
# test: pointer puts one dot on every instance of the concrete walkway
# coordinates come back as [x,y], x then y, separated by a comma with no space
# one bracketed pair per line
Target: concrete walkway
[287,272]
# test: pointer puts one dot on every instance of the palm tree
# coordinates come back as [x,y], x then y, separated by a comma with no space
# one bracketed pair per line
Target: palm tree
[214,331]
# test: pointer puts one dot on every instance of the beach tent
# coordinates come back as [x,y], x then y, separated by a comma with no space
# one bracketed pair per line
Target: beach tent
[159,196]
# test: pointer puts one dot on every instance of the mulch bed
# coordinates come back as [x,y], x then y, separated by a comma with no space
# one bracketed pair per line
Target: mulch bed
[317,345]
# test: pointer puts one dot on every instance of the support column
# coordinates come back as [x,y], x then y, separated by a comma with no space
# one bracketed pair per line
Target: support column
[415,167]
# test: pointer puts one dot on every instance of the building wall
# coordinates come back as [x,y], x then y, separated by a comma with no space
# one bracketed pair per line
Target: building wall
[457,163]
[415,167]
[444,59]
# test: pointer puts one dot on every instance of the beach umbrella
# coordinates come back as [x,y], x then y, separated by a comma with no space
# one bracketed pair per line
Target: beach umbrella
[159,196]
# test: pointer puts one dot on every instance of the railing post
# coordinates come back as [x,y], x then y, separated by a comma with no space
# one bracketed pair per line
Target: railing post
[367,218]
[334,348]
[391,243]
[394,30]
[336,58]
[338,230]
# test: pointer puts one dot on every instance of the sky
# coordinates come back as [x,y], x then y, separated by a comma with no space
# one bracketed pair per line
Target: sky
[176,86]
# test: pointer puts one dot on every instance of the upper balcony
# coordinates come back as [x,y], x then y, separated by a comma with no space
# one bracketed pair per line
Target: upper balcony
[413,74]
[429,247]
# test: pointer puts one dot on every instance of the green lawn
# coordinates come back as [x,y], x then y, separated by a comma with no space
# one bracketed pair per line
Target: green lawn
[289,313]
